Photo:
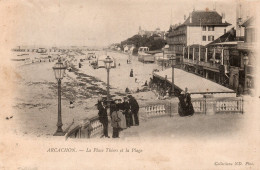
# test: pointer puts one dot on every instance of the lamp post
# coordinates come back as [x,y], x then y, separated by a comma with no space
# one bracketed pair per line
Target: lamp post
[173,59]
[246,60]
[108,62]
[59,71]
[163,59]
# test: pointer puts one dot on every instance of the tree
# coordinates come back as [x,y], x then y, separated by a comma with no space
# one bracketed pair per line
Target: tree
[152,42]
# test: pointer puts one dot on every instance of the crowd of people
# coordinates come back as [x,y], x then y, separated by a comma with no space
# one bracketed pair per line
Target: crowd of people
[123,114]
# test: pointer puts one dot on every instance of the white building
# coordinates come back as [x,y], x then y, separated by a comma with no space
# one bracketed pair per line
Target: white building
[200,28]
[129,49]
[244,10]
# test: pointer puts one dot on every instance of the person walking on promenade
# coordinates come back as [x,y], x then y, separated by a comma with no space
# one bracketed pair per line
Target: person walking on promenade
[102,113]
[127,113]
[189,105]
[134,108]
[115,121]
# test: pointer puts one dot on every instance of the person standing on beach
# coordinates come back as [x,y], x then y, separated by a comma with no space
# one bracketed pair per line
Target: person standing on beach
[102,113]
[131,73]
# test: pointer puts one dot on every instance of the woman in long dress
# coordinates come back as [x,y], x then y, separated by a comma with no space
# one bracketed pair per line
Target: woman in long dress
[115,121]
[122,123]
[185,107]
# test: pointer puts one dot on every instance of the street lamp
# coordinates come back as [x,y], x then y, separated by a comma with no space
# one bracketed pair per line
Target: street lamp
[164,50]
[108,62]
[173,59]
[246,60]
[59,71]
[163,59]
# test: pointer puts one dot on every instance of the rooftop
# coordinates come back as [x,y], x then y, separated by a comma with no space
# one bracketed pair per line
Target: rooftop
[204,18]
[229,36]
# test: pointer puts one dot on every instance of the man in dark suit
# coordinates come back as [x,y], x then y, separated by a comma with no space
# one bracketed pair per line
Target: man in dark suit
[134,108]
[102,113]
[127,113]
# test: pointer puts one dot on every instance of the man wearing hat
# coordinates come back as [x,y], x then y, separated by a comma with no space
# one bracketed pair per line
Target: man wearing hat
[127,113]
[134,108]
[115,120]
[102,113]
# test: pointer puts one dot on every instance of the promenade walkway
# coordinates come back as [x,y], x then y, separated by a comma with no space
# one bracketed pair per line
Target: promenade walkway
[221,125]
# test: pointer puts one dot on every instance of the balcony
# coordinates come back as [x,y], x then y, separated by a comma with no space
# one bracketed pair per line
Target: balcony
[209,65]
[174,33]
[245,46]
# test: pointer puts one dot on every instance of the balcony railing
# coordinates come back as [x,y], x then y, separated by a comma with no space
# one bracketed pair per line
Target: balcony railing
[245,46]
[171,34]
[202,63]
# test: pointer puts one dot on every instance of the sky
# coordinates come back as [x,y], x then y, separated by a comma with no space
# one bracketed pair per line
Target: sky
[95,22]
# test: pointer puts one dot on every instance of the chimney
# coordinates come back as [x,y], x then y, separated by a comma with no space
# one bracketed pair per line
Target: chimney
[223,18]
[190,17]
[184,17]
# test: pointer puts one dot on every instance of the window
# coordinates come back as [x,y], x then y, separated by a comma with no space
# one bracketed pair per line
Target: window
[204,38]
[204,28]
[210,38]
[211,28]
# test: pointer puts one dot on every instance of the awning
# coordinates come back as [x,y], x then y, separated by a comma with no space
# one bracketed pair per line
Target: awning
[194,83]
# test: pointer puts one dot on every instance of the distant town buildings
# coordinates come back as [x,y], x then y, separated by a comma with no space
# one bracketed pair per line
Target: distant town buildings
[49,49]
[158,32]
[128,48]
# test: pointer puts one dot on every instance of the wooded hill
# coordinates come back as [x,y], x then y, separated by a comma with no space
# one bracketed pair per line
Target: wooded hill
[154,42]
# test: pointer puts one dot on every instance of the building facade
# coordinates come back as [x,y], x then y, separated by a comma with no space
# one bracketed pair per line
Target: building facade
[248,56]
[200,28]
[244,11]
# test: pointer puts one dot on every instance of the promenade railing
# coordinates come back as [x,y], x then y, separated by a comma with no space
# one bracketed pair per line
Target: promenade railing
[164,108]
[86,129]
[200,105]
